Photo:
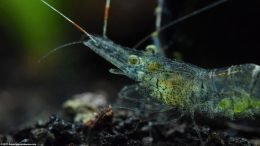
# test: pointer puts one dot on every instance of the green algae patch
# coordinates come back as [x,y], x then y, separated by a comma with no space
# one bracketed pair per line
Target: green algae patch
[239,106]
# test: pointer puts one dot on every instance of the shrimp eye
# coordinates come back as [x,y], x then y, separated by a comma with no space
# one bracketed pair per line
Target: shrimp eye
[152,49]
[133,59]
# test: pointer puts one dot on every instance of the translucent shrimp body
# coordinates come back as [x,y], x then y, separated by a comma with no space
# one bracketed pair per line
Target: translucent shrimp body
[231,92]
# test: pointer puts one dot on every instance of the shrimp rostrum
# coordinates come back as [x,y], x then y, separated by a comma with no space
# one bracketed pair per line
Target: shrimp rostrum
[232,92]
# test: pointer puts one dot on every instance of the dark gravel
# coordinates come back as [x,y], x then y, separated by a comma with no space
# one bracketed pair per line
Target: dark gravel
[127,128]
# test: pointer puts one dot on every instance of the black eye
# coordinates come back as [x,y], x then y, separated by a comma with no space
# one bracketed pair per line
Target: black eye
[133,59]
[151,49]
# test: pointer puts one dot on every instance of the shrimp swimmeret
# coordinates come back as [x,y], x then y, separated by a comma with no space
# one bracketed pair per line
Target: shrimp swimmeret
[231,92]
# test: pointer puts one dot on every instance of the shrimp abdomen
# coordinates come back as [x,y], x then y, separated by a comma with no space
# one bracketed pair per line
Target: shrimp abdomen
[237,90]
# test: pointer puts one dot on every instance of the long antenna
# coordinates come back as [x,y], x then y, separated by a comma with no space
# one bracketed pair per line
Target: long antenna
[158,21]
[158,13]
[106,13]
[196,12]
[58,48]
[72,22]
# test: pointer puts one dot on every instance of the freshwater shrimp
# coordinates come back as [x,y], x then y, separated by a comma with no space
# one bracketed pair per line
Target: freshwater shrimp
[232,92]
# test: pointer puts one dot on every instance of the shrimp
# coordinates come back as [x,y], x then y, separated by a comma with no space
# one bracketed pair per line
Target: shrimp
[231,92]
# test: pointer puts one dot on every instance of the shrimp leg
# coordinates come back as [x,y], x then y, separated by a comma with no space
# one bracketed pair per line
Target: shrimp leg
[126,92]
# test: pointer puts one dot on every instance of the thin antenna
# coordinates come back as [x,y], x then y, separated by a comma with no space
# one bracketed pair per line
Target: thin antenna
[106,13]
[58,48]
[72,22]
[158,13]
[158,21]
[201,10]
